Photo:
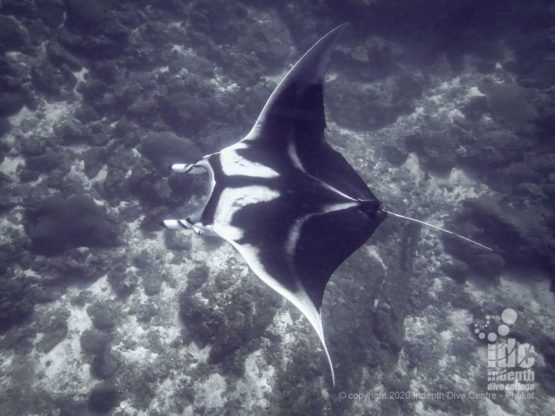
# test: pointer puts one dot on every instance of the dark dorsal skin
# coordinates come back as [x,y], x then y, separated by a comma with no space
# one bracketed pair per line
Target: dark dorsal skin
[291,205]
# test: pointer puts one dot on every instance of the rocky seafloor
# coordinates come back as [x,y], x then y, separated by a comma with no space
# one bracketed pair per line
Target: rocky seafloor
[446,109]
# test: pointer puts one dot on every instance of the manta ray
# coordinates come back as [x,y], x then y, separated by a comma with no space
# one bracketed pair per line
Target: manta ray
[290,204]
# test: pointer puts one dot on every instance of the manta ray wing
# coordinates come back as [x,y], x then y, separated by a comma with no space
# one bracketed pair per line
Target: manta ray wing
[303,82]
[291,205]
[296,109]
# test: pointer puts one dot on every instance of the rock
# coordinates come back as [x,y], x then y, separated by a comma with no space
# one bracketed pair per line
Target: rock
[115,186]
[165,148]
[94,341]
[32,146]
[489,264]
[13,36]
[23,8]
[123,283]
[11,252]
[530,191]
[38,34]
[97,47]
[484,263]
[13,74]
[370,60]
[544,163]
[46,162]
[121,157]
[76,265]
[16,302]
[87,15]
[206,19]
[545,123]
[549,191]
[394,154]
[103,397]
[46,294]
[59,56]
[456,269]
[59,224]
[435,151]
[11,103]
[183,187]
[519,172]
[216,136]
[143,108]
[491,149]
[145,261]
[127,132]
[476,108]
[195,64]
[196,278]
[101,135]
[130,212]
[73,132]
[27,175]
[185,110]
[94,161]
[94,90]
[5,126]
[153,220]
[388,327]
[378,107]
[86,113]
[102,316]
[523,240]
[227,322]
[54,330]
[51,12]
[105,364]
[177,241]
[510,103]
[151,189]
[50,80]
[152,284]
[268,39]
[146,312]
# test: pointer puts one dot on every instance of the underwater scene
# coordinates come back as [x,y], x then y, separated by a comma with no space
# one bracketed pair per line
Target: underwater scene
[313,207]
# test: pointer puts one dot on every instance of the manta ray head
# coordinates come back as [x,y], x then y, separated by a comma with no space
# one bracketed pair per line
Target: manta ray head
[194,220]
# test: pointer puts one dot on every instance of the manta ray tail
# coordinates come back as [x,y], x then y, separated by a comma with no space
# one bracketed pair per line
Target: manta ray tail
[442,230]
